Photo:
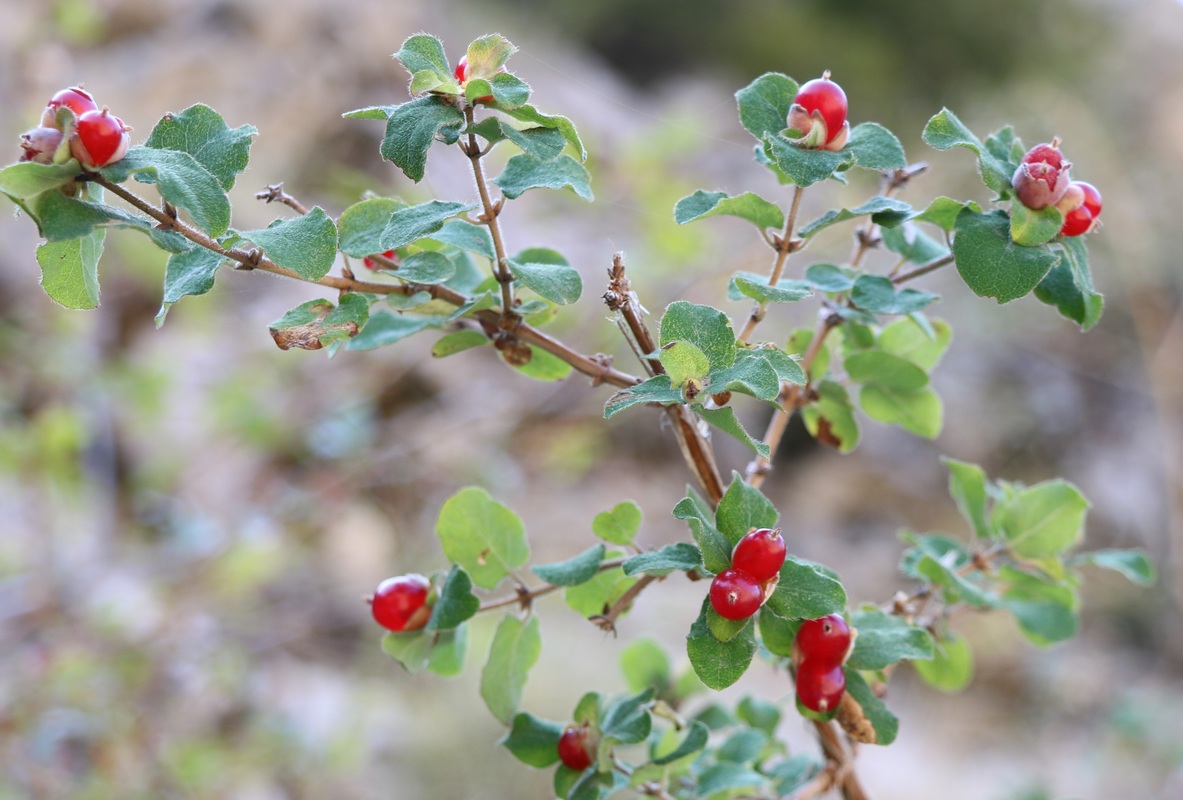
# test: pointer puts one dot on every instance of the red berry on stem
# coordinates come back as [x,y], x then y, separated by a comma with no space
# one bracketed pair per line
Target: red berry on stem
[372,264]
[825,98]
[573,748]
[736,594]
[400,604]
[1041,178]
[1082,219]
[760,553]
[826,640]
[99,139]
[820,685]
[75,98]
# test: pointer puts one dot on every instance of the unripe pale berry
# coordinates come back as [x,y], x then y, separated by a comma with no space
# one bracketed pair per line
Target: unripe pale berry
[761,554]
[75,98]
[100,138]
[825,640]
[822,102]
[575,747]
[461,73]
[1041,178]
[820,686]
[39,144]
[400,604]
[736,594]
[1083,218]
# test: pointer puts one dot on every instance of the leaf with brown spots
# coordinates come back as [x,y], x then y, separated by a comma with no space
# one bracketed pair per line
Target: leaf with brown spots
[318,323]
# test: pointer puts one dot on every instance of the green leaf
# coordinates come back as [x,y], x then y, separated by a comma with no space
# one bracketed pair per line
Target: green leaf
[912,244]
[619,524]
[655,390]
[627,719]
[533,741]
[945,131]
[743,747]
[27,179]
[804,166]
[879,205]
[1042,520]
[540,142]
[951,667]
[414,127]
[598,594]
[463,234]
[883,639]
[447,657]
[483,536]
[885,724]
[703,326]
[777,633]
[527,113]
[757,287]
[371,112]
[573,571]
[725,420]
[806,591]
[718,664]
[415,222]
[875,147]
[941,560]
[678,556]
[360,227]
[181,181]
[784,366]
[943,212]
[202,133]
[1069,285]
[306,244]
[515,649]
[442,652]
[385,328]
[458,342]
[750,206]
[695,740]
[423,52]
[1029,227]
[188,273]
[70,270]
[728,777]
[886,370]
[426,267]
[509,91]
[557,282]
[1043,622]
[455,602]
[879,295]
[759,714]
[524,172]
[917,411]
[831,418]
[542,366]
[742,508]
[764,103]
[318,323]
[59,217]
[645,664]
[725,629]
[908,340]
[488,54]
[1133,564]
[991,264]
[830,278]
[684,362]
[967,486]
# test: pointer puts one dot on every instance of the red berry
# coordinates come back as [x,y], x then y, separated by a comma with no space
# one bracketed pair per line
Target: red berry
[1041,178]
[99,139]
[1082,218]
[75,98]
[461,73]
[825,98]
[736,594]
[400,604]
[825,640]
[760,554]
[573,748]
[40,144]
[372,264]
[820,685]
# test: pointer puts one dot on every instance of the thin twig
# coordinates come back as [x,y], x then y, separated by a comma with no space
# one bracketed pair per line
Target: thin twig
[489,217]
[274,193]
[923,269]
[784,245]
[607,621]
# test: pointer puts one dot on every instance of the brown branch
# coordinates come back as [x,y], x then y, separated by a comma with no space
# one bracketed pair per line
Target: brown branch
[785,244]
[525,596]
[607,621]
[923,269]
[275,193]
[489,217]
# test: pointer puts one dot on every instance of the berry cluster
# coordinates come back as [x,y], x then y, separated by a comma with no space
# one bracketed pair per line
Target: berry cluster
[738,591]
[95,137]
[1042,180]
[402,604]
[820,649]
[818,114]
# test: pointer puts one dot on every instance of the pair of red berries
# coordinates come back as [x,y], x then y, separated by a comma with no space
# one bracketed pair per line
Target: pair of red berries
[819,650]
[819,114]
[400,604]
[738,591]
[98,138]
[1042,180]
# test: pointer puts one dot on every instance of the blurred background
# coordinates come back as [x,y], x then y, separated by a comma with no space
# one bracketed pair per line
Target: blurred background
[190,519]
